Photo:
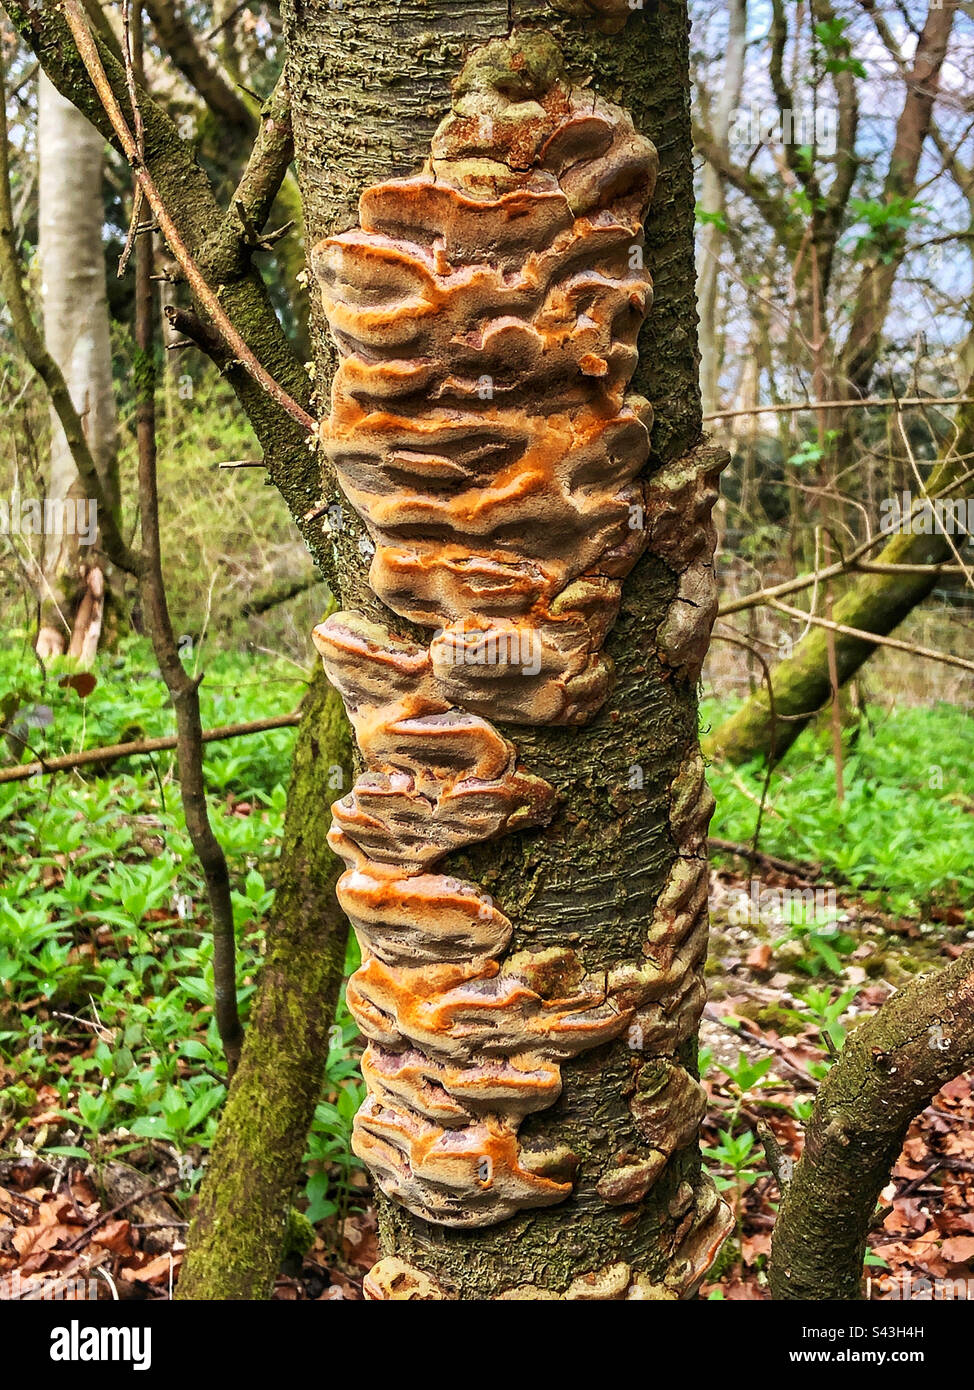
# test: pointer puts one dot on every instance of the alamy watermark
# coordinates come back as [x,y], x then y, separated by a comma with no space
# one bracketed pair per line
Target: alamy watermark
[517,648]
[756,905]
[69,516]
[906,515]
[768,125]
[909,1286]
[73,1288]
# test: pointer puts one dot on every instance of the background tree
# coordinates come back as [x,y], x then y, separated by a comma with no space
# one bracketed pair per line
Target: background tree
[75,305]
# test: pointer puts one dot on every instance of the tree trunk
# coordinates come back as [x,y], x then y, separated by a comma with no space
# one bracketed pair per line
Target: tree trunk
[875,603]
[75,308]
[237,1237]
[712,204]
[608,904]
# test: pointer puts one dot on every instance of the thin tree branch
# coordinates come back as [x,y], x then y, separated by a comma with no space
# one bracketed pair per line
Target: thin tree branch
[927,653]
[88,51]
[113,752]
[858,403]
[183,688]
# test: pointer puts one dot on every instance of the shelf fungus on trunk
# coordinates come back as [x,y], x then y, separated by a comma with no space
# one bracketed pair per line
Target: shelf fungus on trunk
[486,312]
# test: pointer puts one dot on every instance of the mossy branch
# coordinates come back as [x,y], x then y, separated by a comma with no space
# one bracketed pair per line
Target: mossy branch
[237,1237]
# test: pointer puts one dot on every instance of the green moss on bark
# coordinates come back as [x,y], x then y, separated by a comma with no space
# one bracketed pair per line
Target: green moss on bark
[890,1069]
[238,1235]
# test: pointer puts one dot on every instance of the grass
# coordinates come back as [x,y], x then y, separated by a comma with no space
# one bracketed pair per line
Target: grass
[902,838]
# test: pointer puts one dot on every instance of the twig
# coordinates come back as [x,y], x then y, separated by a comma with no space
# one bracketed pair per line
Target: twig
[85,1235]
[923,493]
[800,869]
[114,751]
[927,653]
[808,1083]
[790,407]
[138,194]
[845,564]
[88,52]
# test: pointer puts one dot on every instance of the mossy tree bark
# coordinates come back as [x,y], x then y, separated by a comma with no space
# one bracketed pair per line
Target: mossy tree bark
[237,1236]
[890,1068]
[874,603]
[369,84]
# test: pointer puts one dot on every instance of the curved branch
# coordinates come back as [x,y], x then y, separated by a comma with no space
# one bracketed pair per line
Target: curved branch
[889,1070]
[88,49]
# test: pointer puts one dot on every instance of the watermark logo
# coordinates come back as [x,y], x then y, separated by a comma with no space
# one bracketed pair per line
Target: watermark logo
[77,1343]
[757,905]
[909,1286]
[767,125]
[516,648]
[906,515]
[30,516]
[75,1288]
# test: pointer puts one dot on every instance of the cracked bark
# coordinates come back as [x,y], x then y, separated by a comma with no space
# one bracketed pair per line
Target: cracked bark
[369,85]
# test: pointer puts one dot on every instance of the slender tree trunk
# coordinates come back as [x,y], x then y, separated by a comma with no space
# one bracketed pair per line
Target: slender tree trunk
[75,317]
[712,204]
[183,689]
[614,890]
[875,289]
[874,603]
[237,1237]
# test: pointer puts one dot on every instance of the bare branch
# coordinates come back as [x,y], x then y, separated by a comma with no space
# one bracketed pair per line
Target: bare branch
[140,747]
[927,653]
[857,403]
